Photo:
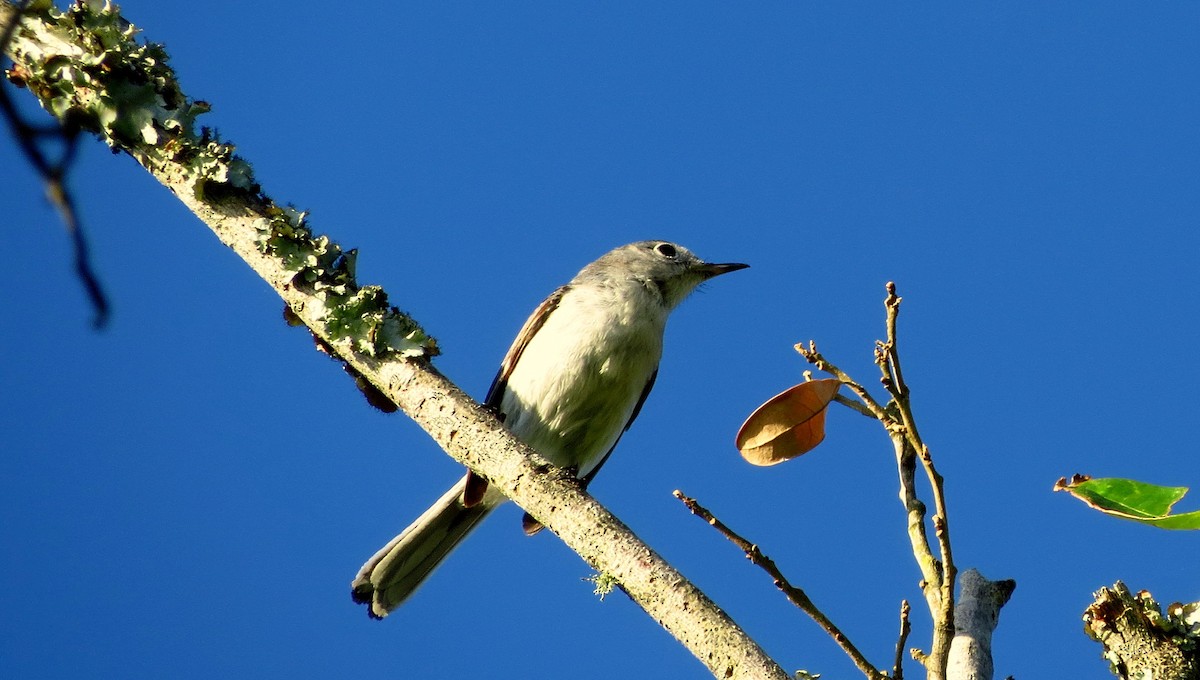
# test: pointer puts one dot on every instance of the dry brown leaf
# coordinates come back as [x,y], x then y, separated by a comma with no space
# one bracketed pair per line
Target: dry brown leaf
[789,424]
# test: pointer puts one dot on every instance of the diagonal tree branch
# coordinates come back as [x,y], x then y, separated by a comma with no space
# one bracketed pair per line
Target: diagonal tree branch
[125,93]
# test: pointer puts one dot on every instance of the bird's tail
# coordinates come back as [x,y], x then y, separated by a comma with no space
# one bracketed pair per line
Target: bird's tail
[393,573]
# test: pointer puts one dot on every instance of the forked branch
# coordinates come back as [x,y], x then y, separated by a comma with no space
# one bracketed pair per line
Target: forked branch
[896,416]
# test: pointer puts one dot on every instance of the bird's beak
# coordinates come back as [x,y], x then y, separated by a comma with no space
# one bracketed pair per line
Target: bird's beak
[708,270]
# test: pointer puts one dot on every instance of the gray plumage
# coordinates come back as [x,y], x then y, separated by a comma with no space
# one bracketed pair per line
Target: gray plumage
[571,384]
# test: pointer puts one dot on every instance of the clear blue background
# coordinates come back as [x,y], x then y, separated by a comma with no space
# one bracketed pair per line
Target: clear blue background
[188,493]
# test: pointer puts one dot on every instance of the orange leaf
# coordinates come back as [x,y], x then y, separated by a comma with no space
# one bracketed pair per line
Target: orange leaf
[790,424]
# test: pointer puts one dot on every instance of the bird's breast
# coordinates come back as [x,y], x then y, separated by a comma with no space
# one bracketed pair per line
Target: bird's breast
[575,386]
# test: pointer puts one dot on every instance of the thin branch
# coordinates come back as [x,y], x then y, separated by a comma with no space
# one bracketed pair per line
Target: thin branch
[795,595]
[53,175]
[943,577]
[927,562]
[854,405]
[905,629]
[906,464]
[815,358]
[840,398]
[938,575]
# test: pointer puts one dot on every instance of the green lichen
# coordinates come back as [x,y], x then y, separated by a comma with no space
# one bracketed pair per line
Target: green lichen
[366,323]
[1135,627]
[604,583]
[84,62]
[355,318]
[87,68]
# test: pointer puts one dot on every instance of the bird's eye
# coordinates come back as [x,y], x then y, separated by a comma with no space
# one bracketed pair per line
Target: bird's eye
[666,250]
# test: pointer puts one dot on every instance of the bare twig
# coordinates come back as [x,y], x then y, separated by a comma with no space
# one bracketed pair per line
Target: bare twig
[53,174]
[937,573]
[942,573]
[853,404]
[795,595]
[905,629]
[817,359]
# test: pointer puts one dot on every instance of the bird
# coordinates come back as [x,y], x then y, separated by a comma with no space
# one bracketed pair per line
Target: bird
[571,384]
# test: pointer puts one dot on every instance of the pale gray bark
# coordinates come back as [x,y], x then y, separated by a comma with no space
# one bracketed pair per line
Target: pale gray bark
[976,615]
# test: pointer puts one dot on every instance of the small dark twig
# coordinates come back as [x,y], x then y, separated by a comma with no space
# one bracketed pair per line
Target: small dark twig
[53,175]
[794,594]
[905,629]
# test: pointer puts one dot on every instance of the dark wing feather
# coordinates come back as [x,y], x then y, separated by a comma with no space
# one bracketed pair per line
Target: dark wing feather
[532,325]
[476,485]
[587,479]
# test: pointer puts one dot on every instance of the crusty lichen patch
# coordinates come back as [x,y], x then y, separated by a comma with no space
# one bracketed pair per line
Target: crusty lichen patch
[87,68]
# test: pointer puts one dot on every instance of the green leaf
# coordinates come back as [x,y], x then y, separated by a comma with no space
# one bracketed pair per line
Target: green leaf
[1130,499]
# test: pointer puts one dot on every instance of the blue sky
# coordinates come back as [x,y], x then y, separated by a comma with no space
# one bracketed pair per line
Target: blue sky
[188,493]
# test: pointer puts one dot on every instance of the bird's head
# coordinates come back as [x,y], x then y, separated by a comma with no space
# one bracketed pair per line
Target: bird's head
[668,268]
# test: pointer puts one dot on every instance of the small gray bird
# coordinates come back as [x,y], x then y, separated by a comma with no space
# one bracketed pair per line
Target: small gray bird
[571,384]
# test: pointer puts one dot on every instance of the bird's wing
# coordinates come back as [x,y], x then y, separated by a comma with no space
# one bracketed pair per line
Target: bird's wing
[476,485]
[632,417]
[535,321]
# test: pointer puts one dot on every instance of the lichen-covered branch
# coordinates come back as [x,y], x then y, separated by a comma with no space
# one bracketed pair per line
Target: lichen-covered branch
[84,63]
[1140,639]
